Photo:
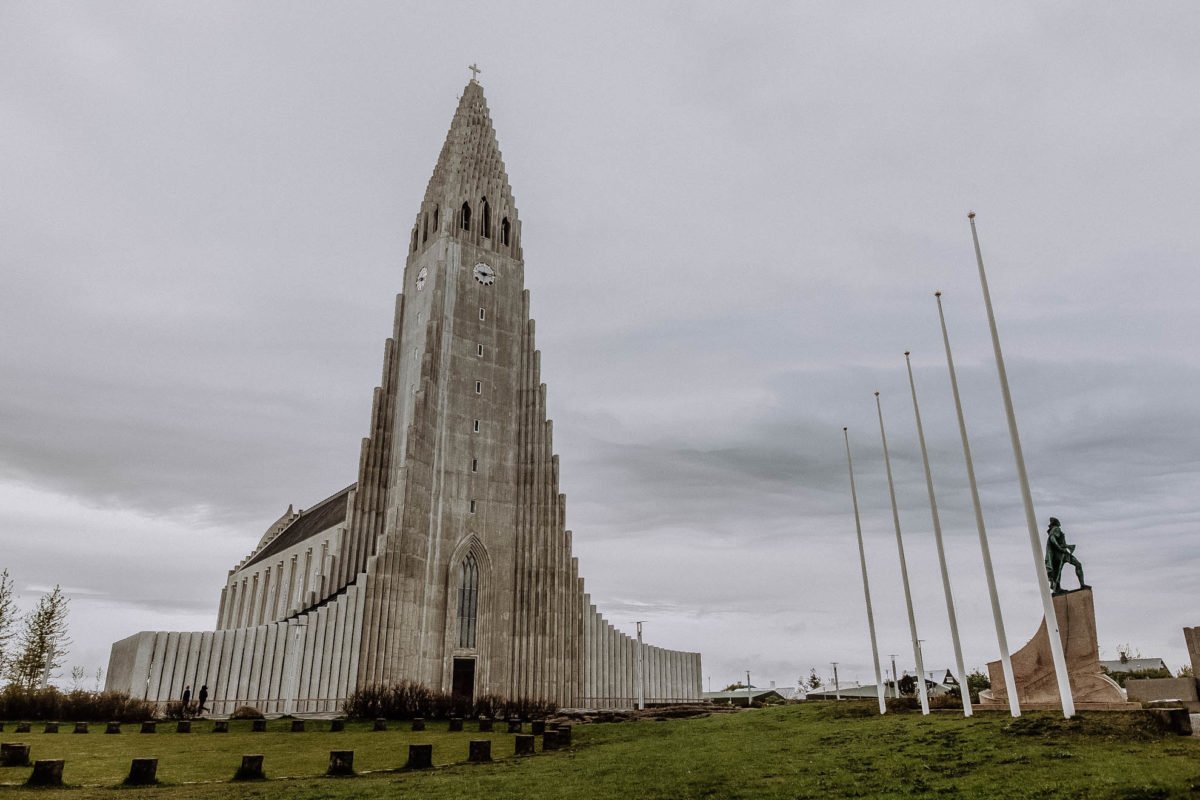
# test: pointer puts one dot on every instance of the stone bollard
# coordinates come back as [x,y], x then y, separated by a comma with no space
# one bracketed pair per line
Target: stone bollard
[514,726]
[479,751]
[112,727]
[14,754]
[258,726]
[420,756]
[1,727]
[525,744]
[220,726]
[550,740]
[183,726]
[456,724]
[485,724]
[380,724]
[142,772]
[149,727]
[251,769]
[341,762]
[538,727]
[297,726]
[22,727]
[337,725]
[51,727]
[418,724]
[47,772]
[564,735]
[81,727]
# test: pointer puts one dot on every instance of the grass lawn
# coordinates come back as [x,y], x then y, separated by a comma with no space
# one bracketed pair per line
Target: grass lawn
[802,751]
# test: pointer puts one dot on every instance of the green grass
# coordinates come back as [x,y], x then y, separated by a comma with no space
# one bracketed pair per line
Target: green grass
[802,751]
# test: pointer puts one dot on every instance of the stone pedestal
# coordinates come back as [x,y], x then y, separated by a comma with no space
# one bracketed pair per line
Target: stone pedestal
[50,727]
[514,726]
[380,725]
[456,724]
[142,772]
[418,724]
[251,769]
[81,727]
[258,726]
[341,762]
[525,744]
[297,726]
[337,725]
[479,751]
[1033,666]
[112,727]
[538,727]
[183,726]
[485,724]
[420,756]
[220,726]
[149,727]
[14,754]
[46,773]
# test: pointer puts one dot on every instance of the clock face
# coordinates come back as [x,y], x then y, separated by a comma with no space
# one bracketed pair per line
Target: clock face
[421,276]
[485,274]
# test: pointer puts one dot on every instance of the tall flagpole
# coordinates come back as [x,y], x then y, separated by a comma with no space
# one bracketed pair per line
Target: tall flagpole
[1014,705]
[1039,565]
[912,619]
[941,550]
[862,560]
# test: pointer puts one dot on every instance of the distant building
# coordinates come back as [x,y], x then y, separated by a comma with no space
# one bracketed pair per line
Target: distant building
[1134,665]
[746,697]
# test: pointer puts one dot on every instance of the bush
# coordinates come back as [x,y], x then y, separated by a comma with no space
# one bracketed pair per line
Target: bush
[408,700]
[78,706]
[245,712]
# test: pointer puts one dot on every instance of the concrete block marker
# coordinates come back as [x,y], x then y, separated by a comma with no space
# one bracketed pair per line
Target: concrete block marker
[14,754]
[22,727]
[112,727]
[149,727]
[142,772]
[538,727]
[297,726]
[183,726]
[337,725]
[564,735]
[46,772]
[420,756]
[514,726]
[479,751]
[1,727]
[220,726]
[525,744]
[258,726]
[456,724]
[50,727]
[485,724]
[550,740]
[380,724]
[418,724]
[81,727]
[341,762]
[251,769]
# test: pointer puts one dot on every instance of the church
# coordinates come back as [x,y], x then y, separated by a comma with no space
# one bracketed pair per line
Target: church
[447,562]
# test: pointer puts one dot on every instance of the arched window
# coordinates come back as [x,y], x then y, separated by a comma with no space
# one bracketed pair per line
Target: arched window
[466,216]
[504,231]
[468,601]
[487,219]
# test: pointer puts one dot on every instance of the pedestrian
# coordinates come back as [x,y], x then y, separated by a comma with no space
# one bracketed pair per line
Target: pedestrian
[203,698]
[187,699]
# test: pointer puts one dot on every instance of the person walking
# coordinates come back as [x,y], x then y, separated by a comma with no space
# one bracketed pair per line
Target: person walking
[187,699]
[202,699]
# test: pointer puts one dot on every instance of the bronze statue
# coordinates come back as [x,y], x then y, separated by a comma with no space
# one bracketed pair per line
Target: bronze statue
[1059,554]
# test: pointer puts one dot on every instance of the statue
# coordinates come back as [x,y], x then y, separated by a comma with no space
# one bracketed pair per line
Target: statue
[1058,555]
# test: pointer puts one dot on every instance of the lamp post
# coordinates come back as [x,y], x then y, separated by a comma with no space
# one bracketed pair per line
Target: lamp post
[641,688]
[837,690]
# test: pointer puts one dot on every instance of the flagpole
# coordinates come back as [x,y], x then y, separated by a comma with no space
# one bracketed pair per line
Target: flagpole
[1039,566]
[1014,705]
[862,560]
[912,619]
[941,550]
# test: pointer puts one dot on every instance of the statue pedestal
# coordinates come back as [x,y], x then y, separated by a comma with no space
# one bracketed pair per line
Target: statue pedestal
[1033,666]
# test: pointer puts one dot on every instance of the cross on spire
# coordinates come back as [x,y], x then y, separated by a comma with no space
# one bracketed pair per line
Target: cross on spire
[474,73]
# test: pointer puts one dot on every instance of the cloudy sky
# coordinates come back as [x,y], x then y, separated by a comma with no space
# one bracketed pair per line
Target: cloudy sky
[735,217]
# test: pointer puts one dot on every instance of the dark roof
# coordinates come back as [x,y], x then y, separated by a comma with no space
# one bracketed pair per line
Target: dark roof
[324,515]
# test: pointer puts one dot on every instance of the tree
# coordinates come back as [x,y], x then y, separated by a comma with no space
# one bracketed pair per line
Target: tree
[977,682]
[1185,672]
[8,614]
[733,687]
[43,642]
[1126,652]
[814,680]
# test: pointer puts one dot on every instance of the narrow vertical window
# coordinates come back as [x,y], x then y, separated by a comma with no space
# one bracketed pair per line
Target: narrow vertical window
[466,216]
[425,229]
[435,220]
[485,224]
[479,350]
[468,601]
[504,231]
[476,426]
[482,313]
[474,465]
[478,387]
[472,506]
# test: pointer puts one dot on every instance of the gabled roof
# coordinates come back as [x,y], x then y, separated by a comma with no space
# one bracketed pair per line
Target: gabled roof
[324,515]
[1134,664]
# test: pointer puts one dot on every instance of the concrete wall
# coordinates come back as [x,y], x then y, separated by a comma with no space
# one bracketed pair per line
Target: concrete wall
[610,668]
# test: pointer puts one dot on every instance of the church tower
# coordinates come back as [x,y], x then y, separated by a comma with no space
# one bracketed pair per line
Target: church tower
[447,563]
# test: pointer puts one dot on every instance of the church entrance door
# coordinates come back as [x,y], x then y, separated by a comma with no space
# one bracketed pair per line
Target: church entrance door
[464,680]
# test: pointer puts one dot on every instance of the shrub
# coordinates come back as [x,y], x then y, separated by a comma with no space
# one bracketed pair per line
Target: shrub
[244,712]
[407,700]
[79,705]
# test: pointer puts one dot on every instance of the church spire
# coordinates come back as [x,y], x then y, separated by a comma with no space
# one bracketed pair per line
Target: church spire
[469,189]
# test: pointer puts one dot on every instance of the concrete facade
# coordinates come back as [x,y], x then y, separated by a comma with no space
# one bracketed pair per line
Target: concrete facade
[450,550]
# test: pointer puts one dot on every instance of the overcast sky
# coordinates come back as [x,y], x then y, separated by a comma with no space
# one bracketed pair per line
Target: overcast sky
[735,217]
